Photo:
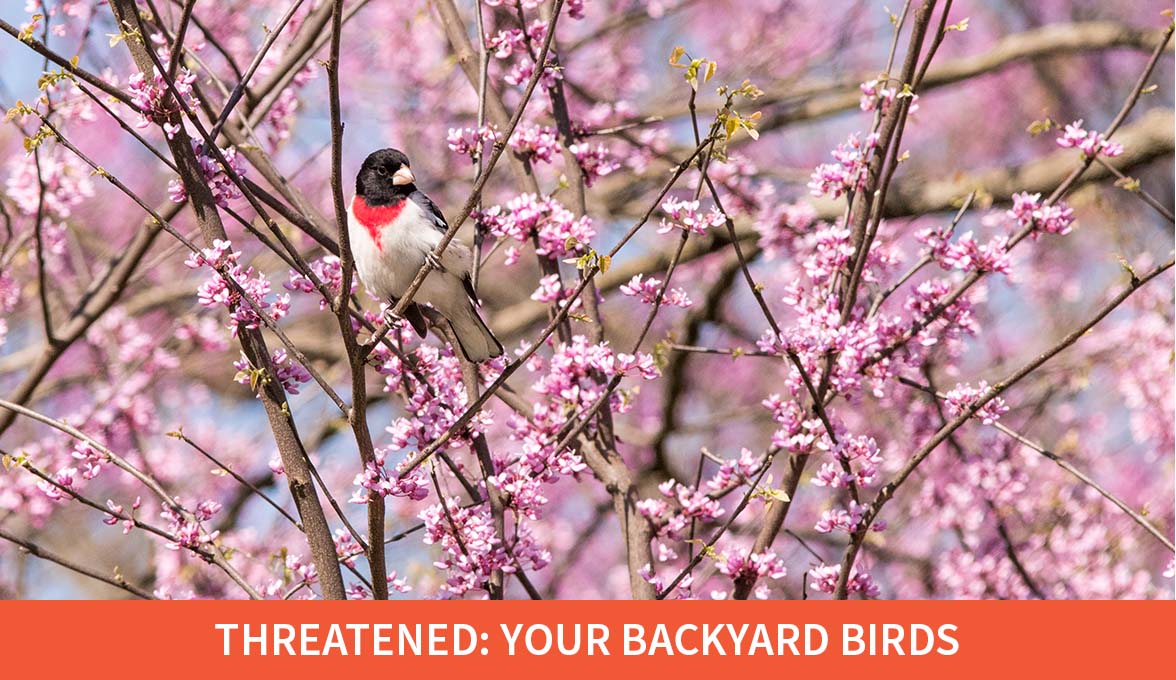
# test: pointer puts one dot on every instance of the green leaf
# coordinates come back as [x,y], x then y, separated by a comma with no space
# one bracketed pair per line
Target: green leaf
[26,35]
[676,55]
[705,549]
[692,73]
[1129,269]
[773,494]
[961,26]
[1038,127]
[1129,184]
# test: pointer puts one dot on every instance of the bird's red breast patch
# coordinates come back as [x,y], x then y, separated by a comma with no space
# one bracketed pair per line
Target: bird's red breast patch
[375,217]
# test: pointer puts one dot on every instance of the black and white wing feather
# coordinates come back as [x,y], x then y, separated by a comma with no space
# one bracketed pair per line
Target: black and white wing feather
[430,209]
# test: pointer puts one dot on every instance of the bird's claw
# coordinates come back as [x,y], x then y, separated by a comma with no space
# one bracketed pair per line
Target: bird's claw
[391,318]
[432,260]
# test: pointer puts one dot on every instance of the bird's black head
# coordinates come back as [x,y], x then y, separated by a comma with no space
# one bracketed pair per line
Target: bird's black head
[384,178]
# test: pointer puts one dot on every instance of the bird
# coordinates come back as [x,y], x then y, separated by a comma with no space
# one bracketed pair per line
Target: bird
[393,228]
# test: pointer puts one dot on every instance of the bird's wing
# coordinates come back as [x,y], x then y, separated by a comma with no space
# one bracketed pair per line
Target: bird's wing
[430,209]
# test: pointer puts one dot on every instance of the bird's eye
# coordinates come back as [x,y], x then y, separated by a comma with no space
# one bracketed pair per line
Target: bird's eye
[382,171]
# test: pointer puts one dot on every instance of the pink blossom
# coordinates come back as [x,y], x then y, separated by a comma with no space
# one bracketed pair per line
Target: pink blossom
[861,456]
[873,95]
[414,485]
[329,271]
[68,184]
[824,579]
[736,471]
[848,173]
[560,233]
[647,290]
[538,142]
[189,533]
[968,255]
[779,224]
[470,548]
[685,215]
[841,519]
[117,513]
[154,101]
[216,291]
[520,74]
[1028,209]
[1090,143]
[506,42]
[398,584]
[64,478]
[468,141]
[964,396]
[219,182]
[738,563]
[290,373]
[594,162]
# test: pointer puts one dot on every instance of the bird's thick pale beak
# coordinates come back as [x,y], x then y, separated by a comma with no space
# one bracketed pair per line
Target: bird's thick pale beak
[402,176]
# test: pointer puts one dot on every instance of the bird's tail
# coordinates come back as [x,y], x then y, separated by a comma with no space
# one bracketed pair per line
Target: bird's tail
[476,341]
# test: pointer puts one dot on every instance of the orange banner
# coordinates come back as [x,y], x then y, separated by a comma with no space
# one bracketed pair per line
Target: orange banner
[585,639]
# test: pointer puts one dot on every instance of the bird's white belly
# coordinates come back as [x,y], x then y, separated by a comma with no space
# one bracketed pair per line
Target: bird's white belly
[375,273]
[387,270]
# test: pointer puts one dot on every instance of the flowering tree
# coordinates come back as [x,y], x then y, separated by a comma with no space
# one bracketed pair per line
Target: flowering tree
[799,300]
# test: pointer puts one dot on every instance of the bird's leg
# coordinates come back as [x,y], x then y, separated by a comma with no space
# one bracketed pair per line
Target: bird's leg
[433,261]
[391,318]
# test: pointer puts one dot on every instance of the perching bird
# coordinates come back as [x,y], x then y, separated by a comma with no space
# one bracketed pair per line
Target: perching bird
[393,229]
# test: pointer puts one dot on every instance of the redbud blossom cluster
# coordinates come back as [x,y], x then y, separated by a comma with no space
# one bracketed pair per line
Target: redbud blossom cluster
[289,373]
[472,550]
[216,291]
[647,290]
[824,579]
[189,533]
[117,512]
[964,396]
[328,270]
[434,398]
[559,232]
[154,101]
[1090,143]
[538,142]
[471,141]
[685,215]
[595,162]
[219,182]
[848,173]
[874,95]
[1028,209]
[413,485]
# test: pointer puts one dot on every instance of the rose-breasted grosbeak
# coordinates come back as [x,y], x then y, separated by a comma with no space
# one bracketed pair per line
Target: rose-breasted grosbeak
[394,228]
